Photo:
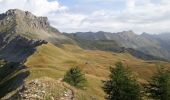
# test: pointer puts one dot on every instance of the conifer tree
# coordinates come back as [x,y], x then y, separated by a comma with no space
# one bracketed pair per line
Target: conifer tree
[159,86]
[121,85]
[75,77]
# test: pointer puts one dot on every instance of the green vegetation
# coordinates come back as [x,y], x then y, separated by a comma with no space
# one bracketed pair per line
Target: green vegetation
[75,77]
[121,85]
[159,86]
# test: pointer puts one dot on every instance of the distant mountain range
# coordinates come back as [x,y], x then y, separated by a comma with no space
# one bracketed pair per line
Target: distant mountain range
[143,46]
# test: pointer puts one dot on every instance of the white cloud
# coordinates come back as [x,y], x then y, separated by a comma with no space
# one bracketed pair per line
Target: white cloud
[38,7]
[130,4]
[138,15]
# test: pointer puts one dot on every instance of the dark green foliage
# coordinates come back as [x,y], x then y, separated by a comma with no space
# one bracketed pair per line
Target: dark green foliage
[159,86]
[121,85]
[75,77]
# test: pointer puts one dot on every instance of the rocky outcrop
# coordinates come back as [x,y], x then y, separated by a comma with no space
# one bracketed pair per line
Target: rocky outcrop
[26,17]
[41,89]
[24,23]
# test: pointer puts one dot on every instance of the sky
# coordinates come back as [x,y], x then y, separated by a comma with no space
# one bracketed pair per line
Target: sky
[151,16]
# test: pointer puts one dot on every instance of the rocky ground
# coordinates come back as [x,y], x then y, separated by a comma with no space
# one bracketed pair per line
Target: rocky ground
[44,89]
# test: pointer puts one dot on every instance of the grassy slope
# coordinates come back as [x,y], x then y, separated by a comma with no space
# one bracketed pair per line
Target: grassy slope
[53,61]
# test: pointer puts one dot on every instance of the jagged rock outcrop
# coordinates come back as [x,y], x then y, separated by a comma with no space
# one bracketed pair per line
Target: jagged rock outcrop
[24,17]
[29,18]
[26,24]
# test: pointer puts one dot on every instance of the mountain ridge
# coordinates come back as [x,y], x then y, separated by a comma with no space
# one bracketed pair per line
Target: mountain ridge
[28,25]
[126,39]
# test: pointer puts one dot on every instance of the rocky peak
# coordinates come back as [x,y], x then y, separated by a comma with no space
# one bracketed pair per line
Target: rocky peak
[16,22]
[14,12]
[127,34]
[145,34]
[24,18]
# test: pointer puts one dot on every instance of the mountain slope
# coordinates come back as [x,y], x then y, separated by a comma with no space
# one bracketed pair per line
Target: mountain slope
[21,32]
[24,23]
[137,42]
[126,41]
[12,76]
[53,62]
[163,39]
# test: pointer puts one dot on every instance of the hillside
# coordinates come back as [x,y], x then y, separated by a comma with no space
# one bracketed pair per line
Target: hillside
[12,76]
[53,62]
[163,39]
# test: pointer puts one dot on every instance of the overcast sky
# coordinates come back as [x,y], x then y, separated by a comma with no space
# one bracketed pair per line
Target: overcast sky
[152,16]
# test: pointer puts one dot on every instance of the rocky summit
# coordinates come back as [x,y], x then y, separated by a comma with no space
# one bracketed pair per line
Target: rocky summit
[24,23]
[21,32]
[29,18]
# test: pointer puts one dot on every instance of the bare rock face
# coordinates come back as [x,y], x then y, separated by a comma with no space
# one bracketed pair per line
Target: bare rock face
[24,23]
[27,17]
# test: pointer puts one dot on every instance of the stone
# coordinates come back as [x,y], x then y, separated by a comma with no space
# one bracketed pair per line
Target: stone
[52,98]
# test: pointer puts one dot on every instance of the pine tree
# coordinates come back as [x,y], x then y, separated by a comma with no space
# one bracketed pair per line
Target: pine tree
[159,86]
[75,77]
[121,85]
